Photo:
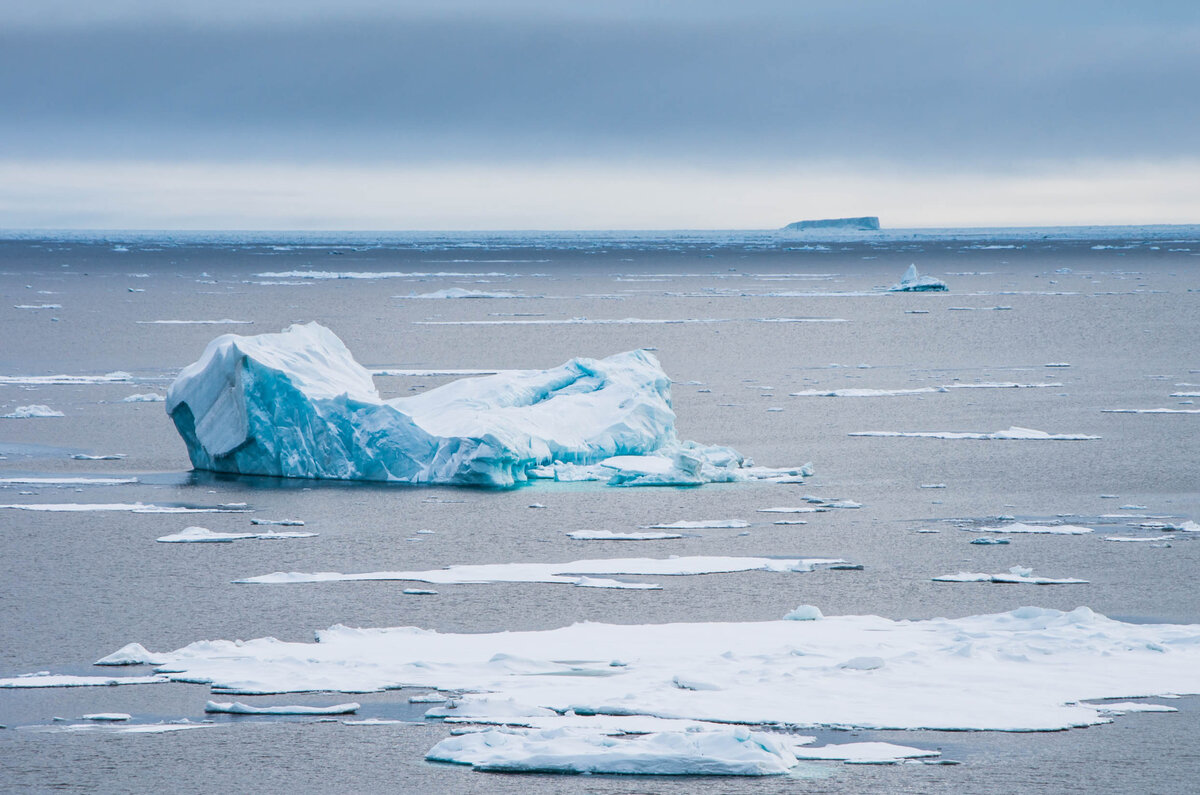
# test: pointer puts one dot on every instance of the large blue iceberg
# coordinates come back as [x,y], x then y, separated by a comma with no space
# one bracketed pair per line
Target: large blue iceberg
[297,404]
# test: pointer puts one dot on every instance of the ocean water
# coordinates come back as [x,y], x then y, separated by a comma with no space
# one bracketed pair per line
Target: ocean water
[1120,307]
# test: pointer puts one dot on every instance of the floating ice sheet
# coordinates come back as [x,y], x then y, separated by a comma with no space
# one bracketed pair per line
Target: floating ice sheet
[1024,670]
[38,481]
[702,524]
[47,679]
[609,535]
[31,411]
[1016,575]
[924,390]
[628,321]
[296,404]
[728,752]
[864,752]
[116,376]
[1013,433]
[579,573]
[120,728]
[1044,529]
[202,535]
[132,507]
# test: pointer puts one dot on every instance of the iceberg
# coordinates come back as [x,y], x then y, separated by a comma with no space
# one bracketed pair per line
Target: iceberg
[865,223]
[915,283]
[297,404]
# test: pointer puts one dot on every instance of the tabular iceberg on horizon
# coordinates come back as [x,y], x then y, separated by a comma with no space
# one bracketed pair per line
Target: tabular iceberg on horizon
[297,404]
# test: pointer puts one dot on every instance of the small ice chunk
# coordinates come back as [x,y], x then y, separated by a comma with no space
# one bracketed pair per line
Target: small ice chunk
[608,535]
[863,752]
[281,522]
[144,397]
[913,282]
[804,613]
[419,592]
[129,654]
[987,541]
[110,717]
[31,411]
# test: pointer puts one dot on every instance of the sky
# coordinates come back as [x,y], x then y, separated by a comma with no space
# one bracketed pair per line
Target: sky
[547,114]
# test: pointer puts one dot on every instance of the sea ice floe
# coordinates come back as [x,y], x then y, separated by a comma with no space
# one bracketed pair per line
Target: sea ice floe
[796,509]
[459,292]
[132,507]
[864,753]
[923,390]
[86,457]
[628,321]
[1122,707]
[107,716]
[1024,670]
[702,524]
[579,573]
[609,535]
[222,322]
[145,397]
[281,522]
[1020,527]
[1015,575]
[1150,411]
[31,411]
[729,752]
[202,535]
[913,282]
[47,679]
[37,306]
[120,728]
[47,380]
[991,541]
[238,708]
[330,275]
[1013,433]
[296,404]
[36,481]
[1138,539]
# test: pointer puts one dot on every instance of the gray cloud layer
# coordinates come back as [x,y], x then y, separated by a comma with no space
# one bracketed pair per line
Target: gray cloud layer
[883,82]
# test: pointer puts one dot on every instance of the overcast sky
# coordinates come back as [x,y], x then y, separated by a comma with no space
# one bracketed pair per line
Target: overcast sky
[537,114]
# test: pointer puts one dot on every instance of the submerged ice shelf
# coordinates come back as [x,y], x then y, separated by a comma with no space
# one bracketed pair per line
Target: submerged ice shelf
[297,404]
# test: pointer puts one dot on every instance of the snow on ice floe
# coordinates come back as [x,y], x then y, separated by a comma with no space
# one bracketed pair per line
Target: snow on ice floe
[202,535]
[131,507]
[609,535]
[913,282]
[238,708]
[296,404]
[36,481]
[1122,707]
[924,390]
[580,573]
[1045,529]
[116,376]
[29,412]
[1024,670]
[1014,576]
[716,752]
[1013,433]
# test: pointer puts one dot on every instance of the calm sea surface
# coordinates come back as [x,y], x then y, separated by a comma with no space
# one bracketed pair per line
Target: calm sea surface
[1123,312]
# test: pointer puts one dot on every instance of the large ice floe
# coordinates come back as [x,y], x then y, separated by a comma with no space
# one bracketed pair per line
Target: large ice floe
[297,404]
[1012,434]
[1024,670]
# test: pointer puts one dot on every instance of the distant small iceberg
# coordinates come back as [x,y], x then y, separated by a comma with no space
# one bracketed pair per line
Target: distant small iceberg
[914,282]
[865,223]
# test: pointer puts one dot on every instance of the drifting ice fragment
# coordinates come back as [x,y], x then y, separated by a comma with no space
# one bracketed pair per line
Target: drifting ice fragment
[915,283]
[1013,433]
[107,716]
[27,412]
[1015,575]
[723,752]
[1018,527]
[296,404]
[864,753]
[609,535]
[202,535]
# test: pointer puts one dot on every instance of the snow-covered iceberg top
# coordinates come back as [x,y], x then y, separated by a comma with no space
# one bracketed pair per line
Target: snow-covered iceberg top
[913,282]
[297,404]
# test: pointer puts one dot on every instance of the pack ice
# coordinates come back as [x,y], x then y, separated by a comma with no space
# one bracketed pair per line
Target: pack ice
[297,404]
